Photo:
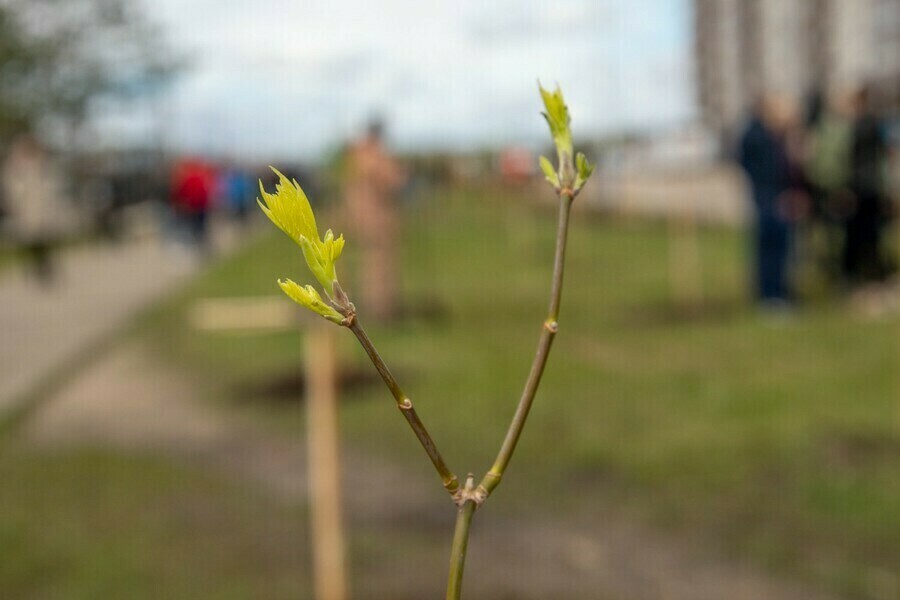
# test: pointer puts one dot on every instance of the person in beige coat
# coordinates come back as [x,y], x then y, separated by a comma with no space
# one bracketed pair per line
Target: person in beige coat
[36,216]
[373,179]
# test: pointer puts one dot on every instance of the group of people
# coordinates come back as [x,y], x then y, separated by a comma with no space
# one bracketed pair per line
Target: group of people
[824,174]
[197,186]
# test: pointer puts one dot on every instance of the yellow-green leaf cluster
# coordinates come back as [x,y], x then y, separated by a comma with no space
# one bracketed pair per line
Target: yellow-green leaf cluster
[308,296]
[573,170]
[289,209]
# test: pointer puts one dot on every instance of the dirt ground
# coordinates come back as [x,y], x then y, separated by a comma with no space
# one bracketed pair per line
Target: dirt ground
[129,402]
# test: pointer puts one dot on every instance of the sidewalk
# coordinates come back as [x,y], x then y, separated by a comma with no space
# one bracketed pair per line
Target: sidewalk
[45,328]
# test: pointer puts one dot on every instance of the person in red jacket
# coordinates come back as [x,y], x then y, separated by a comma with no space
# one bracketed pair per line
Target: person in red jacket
[193,183]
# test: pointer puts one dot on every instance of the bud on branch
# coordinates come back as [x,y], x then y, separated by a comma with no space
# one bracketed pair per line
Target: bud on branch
[289,209]
[574,170]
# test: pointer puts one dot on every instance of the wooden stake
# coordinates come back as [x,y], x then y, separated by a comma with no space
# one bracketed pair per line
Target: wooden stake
[329,568]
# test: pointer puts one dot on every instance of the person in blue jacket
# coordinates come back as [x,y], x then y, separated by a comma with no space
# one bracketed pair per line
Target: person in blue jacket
[763,155]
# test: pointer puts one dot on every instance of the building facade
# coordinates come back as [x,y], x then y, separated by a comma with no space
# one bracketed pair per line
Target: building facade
[746,47]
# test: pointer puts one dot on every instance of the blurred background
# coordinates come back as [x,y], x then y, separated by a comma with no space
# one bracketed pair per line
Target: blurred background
[720,417]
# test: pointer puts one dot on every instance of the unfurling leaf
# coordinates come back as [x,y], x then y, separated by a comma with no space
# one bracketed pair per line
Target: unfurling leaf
[308,296]
[289,209]
[549,173]
[583,169]
[557,116]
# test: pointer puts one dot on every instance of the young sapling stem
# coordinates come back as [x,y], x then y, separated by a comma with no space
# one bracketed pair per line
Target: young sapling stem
[451,484]
[548,332]
[460,542]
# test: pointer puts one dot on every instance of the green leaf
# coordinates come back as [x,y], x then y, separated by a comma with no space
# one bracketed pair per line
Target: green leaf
[584,170]
[308,297]
[312,253]
[331,247]
[549,172]
[289,209]
[557,116]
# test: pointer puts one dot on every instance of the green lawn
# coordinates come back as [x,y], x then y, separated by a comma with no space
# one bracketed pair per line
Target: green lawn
[90,524]
[778,442]
[8,257]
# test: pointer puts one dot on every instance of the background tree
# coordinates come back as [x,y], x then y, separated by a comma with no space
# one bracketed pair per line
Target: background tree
[59,57]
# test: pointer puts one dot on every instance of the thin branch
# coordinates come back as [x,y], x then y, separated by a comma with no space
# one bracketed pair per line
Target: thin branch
[406,408]
[492,479]
[460,544]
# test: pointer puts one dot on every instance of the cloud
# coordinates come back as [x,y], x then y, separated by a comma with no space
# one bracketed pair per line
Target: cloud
[293,78]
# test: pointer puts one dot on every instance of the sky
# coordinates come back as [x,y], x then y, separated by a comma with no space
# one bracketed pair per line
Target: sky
[298,78]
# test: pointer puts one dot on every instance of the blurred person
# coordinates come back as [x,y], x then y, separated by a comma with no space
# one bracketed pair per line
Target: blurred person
[517,165]
[193,184]
[238,189]
[373,178]
[864,257]
[764,156]
[828,170]
[32,190]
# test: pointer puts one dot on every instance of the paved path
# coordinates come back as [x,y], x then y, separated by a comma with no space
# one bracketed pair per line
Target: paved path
[45,328]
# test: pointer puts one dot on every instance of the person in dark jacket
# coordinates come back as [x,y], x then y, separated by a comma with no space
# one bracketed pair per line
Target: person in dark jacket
[863,258]
[764,157]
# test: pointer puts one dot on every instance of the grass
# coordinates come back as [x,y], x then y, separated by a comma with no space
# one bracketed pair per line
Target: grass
[8,257]
[777,442]
[89,524]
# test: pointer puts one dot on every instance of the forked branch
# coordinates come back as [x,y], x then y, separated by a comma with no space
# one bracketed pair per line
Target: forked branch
[290,211]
